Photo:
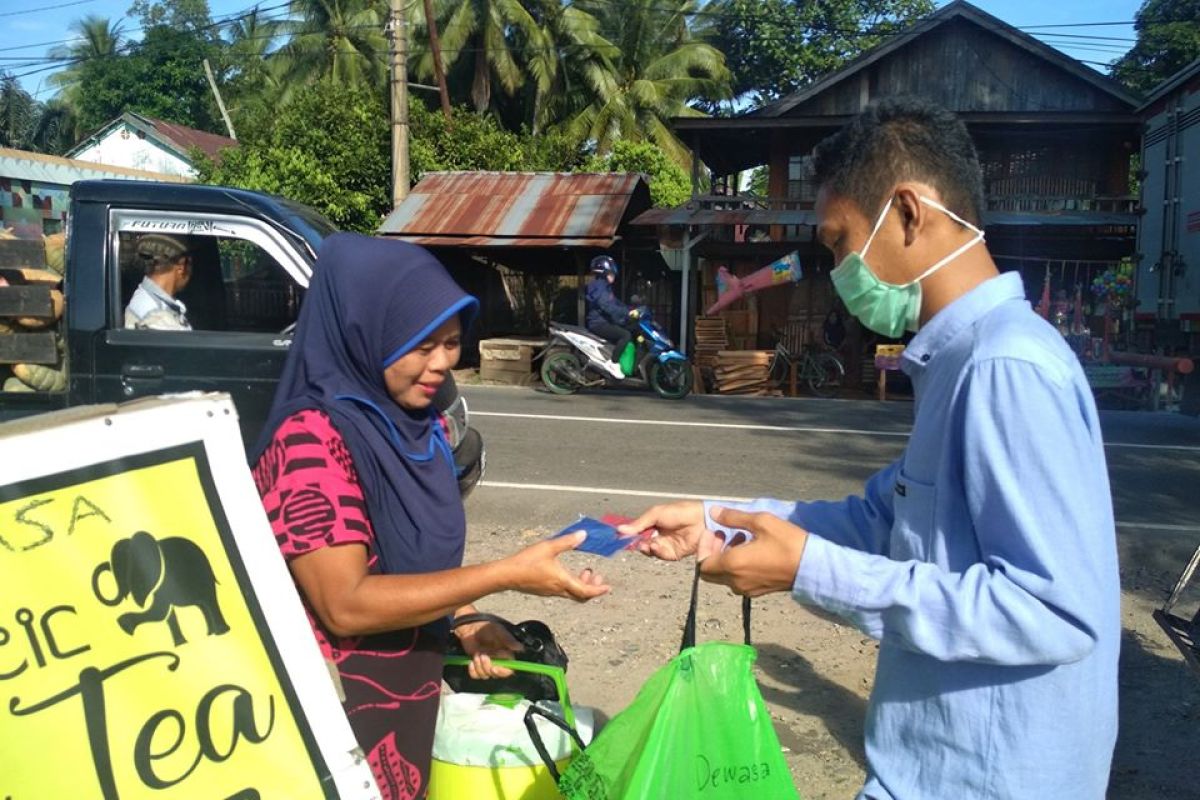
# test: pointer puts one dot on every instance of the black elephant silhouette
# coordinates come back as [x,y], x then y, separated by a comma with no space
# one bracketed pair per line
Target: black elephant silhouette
[171,573]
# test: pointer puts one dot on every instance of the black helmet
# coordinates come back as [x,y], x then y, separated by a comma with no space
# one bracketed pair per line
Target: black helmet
[604,265]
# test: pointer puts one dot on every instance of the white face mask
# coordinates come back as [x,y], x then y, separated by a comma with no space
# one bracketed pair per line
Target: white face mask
[888,308]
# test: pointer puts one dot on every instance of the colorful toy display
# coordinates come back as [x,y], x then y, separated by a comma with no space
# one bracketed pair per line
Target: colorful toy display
[1114,286]
[731,288]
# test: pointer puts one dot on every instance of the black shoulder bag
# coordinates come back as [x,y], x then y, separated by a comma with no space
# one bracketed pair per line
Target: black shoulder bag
[540,647]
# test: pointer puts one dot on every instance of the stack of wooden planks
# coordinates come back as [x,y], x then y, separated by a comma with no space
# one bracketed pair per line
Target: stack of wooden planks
[745,372]
[31,306]
[711,338]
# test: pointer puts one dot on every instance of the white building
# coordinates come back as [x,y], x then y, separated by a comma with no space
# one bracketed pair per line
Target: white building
[145,143]
[35,189]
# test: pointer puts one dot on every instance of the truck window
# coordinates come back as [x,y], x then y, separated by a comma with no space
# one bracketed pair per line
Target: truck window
[236,280]
[259,295]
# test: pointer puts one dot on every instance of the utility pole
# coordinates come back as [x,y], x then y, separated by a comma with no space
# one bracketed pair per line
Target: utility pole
[435,47]
[220,103]
[399,36]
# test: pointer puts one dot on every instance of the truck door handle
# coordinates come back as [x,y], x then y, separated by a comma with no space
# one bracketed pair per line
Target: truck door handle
[142,371]
[141,379]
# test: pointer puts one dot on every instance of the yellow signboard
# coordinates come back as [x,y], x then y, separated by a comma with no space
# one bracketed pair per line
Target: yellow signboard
[136,658]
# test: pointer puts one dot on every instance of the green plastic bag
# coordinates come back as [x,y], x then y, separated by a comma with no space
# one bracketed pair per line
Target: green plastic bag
[626,360]
[697,729]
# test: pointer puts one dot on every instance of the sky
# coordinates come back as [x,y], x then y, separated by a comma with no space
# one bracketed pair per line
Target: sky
[34,26]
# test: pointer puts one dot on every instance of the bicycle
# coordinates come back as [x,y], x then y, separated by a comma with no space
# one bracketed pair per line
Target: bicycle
[821,370]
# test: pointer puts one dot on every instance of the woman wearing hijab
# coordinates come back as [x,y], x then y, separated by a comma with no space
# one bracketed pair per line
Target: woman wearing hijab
[359,484]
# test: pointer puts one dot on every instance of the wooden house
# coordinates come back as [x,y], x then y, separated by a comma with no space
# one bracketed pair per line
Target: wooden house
[1054,136]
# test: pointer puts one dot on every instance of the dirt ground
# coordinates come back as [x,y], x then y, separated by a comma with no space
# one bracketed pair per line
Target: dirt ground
[816,674]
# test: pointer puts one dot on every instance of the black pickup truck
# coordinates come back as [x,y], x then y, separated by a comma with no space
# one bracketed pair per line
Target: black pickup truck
[252,256]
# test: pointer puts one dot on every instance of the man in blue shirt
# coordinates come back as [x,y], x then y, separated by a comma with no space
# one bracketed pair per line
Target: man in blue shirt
[167,264]
[983,559]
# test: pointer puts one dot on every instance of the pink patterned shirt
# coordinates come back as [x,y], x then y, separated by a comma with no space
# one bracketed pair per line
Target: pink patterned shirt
[391,681]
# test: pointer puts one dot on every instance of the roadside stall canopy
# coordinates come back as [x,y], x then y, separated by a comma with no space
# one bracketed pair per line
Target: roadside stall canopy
[487,210]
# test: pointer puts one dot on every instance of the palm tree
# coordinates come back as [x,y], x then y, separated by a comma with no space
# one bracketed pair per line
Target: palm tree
[342,41]
[568,41]
[93,37]
[18,114]
[254,71]
[54,131]
[484,30]
[658,69]
[252,38]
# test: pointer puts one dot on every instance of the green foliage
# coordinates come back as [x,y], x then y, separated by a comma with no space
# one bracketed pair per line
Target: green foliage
[601,76]
[26,124]
[330,148]
[775,47]
[337,40]
[250,69]
[657,70]
[191,15]
[759,181]
[92,37]
[472,142]
[54,131]
[161,76]
[480,35]
[1168,39]
[669,184]
[18,114]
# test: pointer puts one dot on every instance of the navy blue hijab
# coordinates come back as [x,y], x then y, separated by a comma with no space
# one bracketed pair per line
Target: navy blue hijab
[370,302]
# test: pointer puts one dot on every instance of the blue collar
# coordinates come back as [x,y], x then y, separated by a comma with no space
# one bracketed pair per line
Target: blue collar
[960,314]
[160,294]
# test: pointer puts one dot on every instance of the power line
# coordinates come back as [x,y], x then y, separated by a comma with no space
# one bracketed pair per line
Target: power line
[31,46]
[1099,24]
[123,50]
[222,21]
[44,8]
[1079,42]
[1090,36]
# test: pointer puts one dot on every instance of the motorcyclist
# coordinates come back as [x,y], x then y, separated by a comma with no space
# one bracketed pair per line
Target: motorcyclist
[608,317]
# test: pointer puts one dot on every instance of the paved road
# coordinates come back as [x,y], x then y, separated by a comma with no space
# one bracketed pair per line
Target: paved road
[550,457]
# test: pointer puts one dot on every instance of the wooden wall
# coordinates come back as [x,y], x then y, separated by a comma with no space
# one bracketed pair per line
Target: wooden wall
[964,68]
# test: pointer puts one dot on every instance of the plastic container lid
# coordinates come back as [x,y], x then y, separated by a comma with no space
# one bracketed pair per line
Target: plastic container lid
[473,732]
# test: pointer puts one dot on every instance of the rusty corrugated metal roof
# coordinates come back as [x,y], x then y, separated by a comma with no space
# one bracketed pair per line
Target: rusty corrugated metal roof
[684,215]
[514,209]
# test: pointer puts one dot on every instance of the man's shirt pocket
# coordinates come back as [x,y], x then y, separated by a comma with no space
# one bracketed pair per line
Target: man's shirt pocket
[914,504]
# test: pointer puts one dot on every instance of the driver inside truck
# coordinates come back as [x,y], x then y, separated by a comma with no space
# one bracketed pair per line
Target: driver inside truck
[608,317]
[166,262]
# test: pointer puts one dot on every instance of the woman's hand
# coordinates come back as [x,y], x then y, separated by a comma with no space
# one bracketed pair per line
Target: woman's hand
[679,531]
[483,641]
[535,570]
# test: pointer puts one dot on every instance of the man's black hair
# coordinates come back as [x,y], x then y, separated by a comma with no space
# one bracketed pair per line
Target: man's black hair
[902,139]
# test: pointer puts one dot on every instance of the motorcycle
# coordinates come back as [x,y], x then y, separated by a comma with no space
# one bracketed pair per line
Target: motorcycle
[470,458]
[577,359]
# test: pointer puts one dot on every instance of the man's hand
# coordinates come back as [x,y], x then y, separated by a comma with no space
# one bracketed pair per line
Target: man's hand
[483,641]
[679,531]
[764,565]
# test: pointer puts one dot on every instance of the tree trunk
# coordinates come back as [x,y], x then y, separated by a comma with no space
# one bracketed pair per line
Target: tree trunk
[481,86]
[435,46]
